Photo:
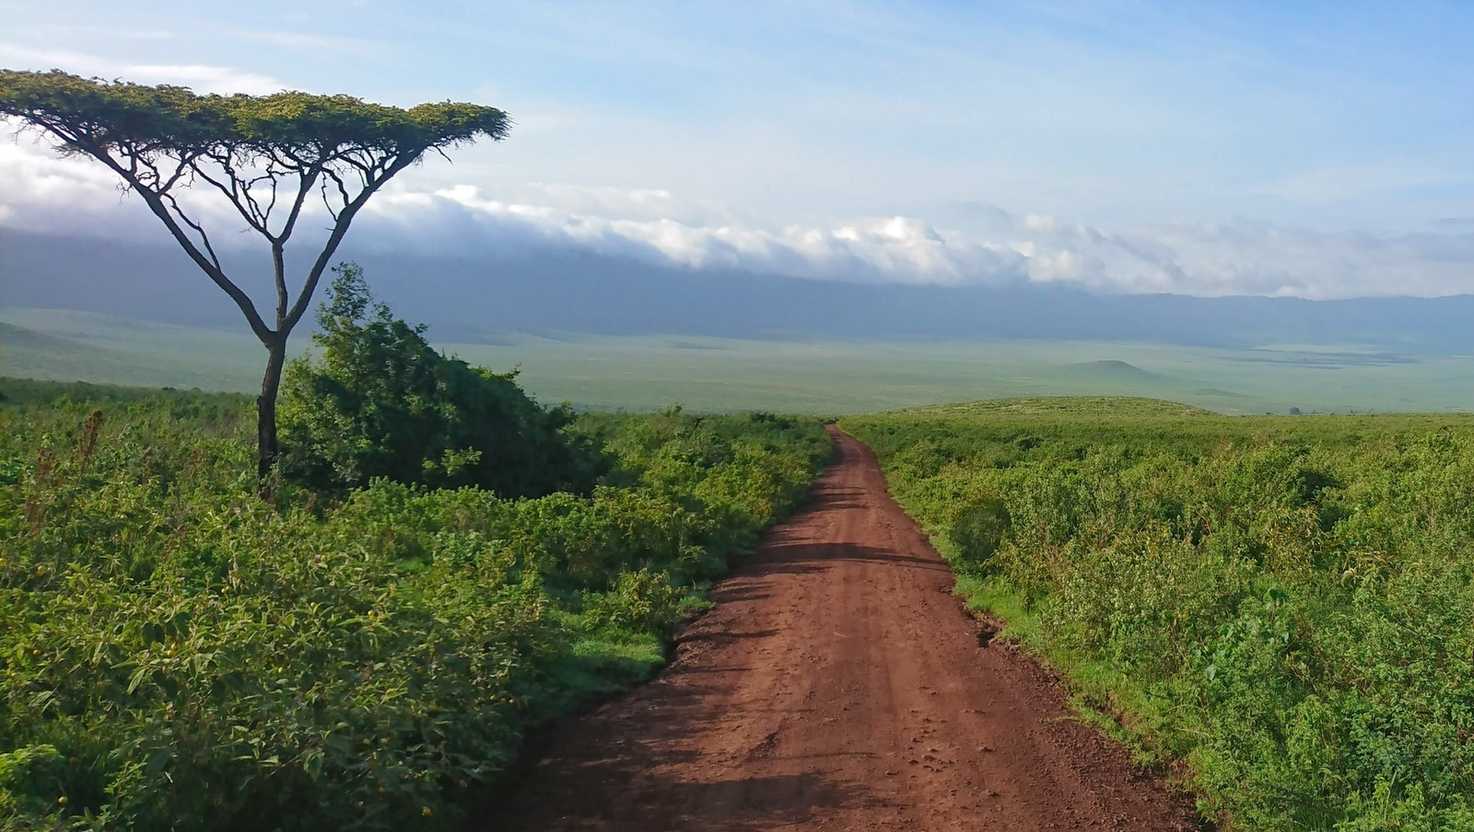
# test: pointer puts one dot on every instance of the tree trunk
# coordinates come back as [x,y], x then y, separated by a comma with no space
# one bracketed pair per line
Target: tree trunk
[266,445]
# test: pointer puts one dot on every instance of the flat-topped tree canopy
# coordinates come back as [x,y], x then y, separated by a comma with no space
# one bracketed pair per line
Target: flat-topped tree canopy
[122,115]
[161,138]
[265,154]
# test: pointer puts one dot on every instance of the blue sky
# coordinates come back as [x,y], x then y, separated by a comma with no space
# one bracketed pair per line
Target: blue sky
[1334,141]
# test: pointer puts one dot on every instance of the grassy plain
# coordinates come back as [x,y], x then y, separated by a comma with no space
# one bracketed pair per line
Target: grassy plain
[827,377]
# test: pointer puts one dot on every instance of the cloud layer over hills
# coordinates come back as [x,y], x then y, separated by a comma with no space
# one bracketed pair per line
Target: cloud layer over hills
[976,244]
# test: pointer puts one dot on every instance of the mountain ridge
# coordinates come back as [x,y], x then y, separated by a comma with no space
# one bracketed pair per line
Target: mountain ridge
[472,300]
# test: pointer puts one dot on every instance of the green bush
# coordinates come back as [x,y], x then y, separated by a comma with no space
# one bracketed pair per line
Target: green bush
[641,600]
[1284,604]
[176,654]
[979,529]
[379,401]
[31,787]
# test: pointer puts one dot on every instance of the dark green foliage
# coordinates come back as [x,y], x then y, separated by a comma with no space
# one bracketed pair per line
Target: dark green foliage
[177,654]
[379,401]
[1285,603]
[980,528]
[16,391]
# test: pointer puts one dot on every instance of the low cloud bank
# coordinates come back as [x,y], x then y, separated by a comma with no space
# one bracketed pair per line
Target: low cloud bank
[996,247]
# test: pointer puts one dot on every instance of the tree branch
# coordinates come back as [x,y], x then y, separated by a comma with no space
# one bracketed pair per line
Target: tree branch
[232,193]
[392,166]
[198,229]
[210,265]
[304,187]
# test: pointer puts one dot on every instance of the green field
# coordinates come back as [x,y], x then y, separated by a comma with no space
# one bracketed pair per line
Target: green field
[715,374]
[1280,610]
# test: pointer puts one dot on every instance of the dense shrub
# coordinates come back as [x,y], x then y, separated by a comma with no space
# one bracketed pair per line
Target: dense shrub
[176,654]
[379,401]
[1286,604]
[642,600]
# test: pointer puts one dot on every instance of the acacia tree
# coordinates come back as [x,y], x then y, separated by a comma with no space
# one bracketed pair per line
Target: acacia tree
[267,156]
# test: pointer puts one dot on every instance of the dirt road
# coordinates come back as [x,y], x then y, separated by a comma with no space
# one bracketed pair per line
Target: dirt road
[838,685]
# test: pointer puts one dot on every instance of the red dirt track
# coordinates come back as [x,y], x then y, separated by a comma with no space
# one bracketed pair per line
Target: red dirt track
[837,684]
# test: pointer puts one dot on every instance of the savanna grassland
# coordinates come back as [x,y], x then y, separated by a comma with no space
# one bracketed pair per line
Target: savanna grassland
[819,375]
[1279,609]
[176,653]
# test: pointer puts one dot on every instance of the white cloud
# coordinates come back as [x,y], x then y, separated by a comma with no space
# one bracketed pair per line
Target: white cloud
[201,78]
[74,196]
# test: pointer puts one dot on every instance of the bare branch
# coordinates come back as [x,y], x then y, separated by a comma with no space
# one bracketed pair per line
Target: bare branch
[305,183]
[271,177]
[391,166]
[209,264]
[178,174]
[198,229]
[232,191]
[327,201]
[342,187]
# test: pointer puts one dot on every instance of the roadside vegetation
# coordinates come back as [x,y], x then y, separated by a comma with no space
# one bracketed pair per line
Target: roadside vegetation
[442,564]
[1281,608]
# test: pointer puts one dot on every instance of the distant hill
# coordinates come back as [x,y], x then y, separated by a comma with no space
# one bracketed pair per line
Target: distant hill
[1112,368]
[481,300]
[20,338]
[1035,406]
[1112,376]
